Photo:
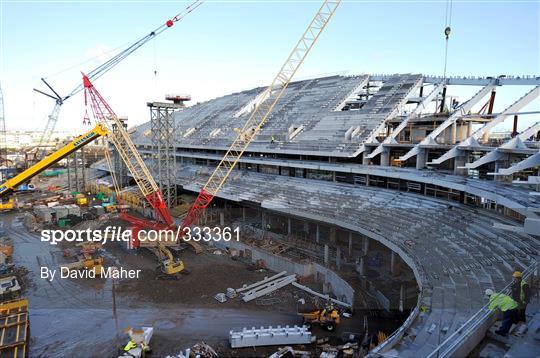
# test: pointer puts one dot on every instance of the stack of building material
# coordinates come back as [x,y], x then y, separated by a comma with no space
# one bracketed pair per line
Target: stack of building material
[220,297]
[61,211]
[15,328]
[43,213]
[73,210]
[270,336]
[266,286]
[231,292]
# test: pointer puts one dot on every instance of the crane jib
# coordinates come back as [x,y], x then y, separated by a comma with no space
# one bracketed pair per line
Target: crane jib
[87,138]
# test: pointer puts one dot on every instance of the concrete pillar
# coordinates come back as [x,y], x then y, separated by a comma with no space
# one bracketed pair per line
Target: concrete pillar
[263,220]
[393,263]
[365,159]
[401,298]
[243,214]
[317,234]
[454,133]
[338,258]
[350,243]
[221,218]
[360,267]
[469,129]
[421,158]
[460,162]
[385,157]
[332,235]
[289,226]
[365,245]
[306,227]
[326,253]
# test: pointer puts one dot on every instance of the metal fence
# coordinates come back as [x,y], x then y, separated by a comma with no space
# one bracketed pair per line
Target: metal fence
[482,317]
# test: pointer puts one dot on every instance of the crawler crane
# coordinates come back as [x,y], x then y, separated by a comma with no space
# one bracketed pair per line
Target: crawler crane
[105,118]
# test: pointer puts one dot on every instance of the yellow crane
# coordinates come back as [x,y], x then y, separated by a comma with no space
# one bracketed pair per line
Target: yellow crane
[76,144]
[260,113]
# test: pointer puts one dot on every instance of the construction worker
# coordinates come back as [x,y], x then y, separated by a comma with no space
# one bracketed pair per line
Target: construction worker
[130,345]
[272,141]
[521,293]
[504,303]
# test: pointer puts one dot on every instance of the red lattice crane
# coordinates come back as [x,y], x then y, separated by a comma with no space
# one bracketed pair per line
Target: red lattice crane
[121,140]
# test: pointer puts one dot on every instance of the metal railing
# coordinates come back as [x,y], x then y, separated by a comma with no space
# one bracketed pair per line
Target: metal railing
[456,339]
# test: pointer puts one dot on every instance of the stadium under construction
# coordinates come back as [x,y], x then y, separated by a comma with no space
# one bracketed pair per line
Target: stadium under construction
[379,215]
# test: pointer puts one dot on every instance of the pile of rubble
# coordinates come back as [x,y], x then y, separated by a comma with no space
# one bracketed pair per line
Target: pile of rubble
[200,349]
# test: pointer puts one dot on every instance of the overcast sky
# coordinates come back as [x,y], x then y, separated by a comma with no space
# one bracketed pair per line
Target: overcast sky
[229,46]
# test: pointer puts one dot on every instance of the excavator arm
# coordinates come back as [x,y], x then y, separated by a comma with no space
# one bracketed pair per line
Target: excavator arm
[76,144]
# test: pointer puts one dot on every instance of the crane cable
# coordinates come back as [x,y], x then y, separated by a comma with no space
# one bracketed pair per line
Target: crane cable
[104,67]
[447,31]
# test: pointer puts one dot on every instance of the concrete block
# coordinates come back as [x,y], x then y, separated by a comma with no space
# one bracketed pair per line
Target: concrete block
[255,337]
[221,297]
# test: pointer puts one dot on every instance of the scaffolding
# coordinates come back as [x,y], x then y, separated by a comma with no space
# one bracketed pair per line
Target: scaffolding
[76,175]
[119,167]
[162,127]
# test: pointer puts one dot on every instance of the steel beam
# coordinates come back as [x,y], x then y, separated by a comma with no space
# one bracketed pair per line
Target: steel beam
[466,107]
[415,113]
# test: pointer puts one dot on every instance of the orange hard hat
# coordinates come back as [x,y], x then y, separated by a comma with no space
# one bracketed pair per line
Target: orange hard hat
[517,274]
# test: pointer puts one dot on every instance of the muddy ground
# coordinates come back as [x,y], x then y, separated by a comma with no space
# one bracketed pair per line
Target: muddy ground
[79,317]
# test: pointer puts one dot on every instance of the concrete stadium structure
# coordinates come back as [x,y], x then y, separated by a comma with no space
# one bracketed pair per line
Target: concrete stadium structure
[397,159]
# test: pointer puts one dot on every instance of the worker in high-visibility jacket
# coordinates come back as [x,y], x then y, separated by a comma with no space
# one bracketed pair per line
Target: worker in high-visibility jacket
[130,345]
[521,293]
[508,307]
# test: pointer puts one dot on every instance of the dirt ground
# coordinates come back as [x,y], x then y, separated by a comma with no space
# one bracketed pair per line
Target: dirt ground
[87,317]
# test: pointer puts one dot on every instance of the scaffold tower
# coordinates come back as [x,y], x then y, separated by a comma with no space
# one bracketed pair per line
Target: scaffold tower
[162,126]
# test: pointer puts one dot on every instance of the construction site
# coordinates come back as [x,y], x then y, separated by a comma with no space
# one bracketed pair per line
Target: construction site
[378,215]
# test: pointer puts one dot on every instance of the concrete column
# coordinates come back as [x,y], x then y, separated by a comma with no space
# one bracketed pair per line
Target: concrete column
[350,243]
[365,245]
[421,158]
[454,133]
[326,253]
[460,162]
[485,137]
[360,268]
[393,262]
[317,234]
[263,220]
[332,235]
[385,157]
[469,129]
[365,159]
[243,214]
[221,218]
[338,258]
[401,298]
[289,226]
[306,227]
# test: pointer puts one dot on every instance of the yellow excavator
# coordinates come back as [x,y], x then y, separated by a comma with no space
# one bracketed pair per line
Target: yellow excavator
[328,317]
[170,266]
